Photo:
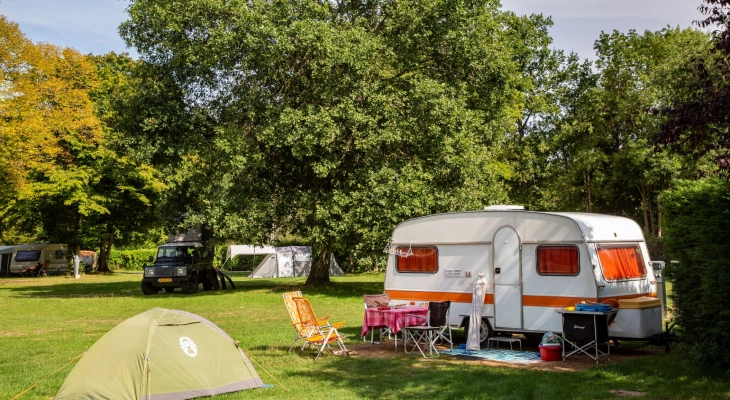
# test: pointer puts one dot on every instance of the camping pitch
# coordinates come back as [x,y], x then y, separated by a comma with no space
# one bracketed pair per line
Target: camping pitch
[161,354]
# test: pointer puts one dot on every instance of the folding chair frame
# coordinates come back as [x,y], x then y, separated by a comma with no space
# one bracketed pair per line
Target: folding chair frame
[427,335]
[382,331]
[313,333]
[294,315]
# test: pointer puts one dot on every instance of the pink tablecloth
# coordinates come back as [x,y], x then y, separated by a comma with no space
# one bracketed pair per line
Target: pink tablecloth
[395,318]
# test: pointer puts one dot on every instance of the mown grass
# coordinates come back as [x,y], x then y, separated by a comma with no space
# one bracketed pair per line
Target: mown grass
[45,322]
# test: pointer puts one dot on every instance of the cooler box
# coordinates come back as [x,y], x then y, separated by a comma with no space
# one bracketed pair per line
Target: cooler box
[637,318]
[593,307]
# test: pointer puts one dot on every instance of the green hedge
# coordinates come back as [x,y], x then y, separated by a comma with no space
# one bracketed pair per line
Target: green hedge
[132,260]
[696,221]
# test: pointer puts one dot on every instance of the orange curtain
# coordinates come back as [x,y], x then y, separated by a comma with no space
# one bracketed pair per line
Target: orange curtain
[621,262]
[557,260]
[422,259]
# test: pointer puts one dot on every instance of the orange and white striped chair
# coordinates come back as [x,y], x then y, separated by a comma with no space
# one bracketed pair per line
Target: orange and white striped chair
[313,333]
[291,308]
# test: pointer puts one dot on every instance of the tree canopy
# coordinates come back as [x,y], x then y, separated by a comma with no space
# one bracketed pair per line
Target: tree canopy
[62,181]
[337,120]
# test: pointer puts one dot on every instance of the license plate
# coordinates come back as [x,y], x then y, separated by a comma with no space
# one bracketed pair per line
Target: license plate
[164,280]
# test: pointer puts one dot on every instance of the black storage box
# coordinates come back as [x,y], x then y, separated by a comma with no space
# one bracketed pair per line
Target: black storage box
[580,327]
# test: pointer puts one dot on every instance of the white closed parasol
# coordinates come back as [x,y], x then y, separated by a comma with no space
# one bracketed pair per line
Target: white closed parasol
[475,319]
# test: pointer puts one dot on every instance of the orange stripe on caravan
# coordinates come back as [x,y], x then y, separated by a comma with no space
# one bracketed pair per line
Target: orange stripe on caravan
[553,301]
[534,301]
[436,296]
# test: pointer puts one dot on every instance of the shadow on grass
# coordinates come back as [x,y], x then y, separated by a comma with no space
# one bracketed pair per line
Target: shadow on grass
[450,378]
[43,289]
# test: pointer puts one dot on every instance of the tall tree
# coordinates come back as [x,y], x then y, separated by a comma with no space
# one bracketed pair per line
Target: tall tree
[336,120]
[698,124]
[601,141]
[67,180]
[48,121]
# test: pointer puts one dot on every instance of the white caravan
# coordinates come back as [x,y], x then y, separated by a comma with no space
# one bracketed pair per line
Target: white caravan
[25,255]
[534,262]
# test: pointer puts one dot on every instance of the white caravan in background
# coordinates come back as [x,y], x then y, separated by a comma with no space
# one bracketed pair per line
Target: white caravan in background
[25,255]
[534,262]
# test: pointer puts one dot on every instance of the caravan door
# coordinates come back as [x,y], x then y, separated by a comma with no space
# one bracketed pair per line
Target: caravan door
[507,279]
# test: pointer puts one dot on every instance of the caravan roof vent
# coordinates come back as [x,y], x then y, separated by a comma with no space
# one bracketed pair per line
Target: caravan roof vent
[503,207]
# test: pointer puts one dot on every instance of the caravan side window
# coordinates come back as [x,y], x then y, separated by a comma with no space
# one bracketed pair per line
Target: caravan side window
[28,255]
[423,259]
[621,262]
[558,260]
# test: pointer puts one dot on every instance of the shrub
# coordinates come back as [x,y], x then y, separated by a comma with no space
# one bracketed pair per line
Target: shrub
[132,260]
[696,223]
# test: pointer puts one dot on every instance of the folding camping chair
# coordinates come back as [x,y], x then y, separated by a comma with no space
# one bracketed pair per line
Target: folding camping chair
[313,333]
[42,270]
[32,270]
[291,307]
[435,328]
[376,301]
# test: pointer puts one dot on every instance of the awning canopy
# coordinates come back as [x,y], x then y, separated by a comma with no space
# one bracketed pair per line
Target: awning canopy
[249,250]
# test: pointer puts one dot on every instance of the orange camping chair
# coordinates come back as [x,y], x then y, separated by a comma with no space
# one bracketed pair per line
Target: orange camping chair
[294,315]
[313,333]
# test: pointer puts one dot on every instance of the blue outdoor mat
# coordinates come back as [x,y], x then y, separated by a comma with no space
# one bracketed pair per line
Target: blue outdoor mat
[522,357]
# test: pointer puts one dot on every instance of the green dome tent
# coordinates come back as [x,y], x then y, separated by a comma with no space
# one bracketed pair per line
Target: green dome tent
[161,354]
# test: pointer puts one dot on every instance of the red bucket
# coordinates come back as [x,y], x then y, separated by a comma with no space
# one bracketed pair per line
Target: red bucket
[551,353]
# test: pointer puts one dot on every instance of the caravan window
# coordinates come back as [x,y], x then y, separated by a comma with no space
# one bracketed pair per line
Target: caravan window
[60,254]
[621,262]
[423,259]
[28,255]
[558,260]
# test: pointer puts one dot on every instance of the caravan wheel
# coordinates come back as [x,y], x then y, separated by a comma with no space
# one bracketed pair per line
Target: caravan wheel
[485,331]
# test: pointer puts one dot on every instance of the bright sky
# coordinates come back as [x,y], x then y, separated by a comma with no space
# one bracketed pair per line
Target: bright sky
[90,26]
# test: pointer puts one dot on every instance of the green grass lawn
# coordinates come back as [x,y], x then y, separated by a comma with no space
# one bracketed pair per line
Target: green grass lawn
[46,322]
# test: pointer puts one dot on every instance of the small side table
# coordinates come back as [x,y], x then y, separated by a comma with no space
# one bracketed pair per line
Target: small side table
[509,340]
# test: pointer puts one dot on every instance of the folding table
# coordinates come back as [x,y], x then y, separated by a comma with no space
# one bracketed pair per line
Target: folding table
[586,330]
[394,318]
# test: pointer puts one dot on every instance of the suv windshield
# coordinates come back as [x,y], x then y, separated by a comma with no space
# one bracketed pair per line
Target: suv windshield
[174,253]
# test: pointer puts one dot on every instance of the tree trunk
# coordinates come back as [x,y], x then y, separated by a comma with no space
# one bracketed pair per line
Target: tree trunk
[651,215]
[645,209]
[105,248]
[102,264]
[659,218]
[319,275]
[587,181]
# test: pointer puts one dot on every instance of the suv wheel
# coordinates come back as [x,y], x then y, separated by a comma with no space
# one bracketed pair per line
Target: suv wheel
[191,286]
[148,288]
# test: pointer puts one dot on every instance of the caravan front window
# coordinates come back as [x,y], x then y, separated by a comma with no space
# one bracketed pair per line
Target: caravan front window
[621,262]
[557,260]
[423,259]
